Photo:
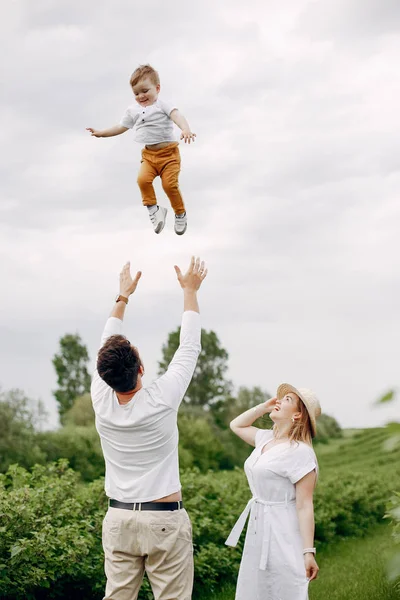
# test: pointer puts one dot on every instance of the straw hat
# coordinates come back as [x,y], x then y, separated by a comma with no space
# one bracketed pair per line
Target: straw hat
[309,400]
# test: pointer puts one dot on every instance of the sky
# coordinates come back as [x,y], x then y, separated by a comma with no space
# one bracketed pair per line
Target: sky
[291,188]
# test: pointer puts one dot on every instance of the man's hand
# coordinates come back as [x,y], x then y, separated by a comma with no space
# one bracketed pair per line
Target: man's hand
[188,136]
[194,276]
[311,566]
[94,132]
[127,285]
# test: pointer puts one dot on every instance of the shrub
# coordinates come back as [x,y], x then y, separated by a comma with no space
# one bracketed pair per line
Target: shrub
[393,513]
[50,542]
[50,532]
[79,445]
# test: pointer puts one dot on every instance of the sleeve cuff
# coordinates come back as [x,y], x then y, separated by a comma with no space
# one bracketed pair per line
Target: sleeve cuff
[191,315]
[302,472]
[114,322]
[113,326]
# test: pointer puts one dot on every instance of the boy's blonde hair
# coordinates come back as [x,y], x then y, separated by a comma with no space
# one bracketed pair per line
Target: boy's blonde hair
[144,71]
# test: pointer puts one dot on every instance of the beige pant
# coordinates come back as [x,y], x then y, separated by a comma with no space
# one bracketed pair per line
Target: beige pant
[158,542]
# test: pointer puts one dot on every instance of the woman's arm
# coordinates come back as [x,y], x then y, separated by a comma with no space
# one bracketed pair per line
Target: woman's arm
[305,512]
[242,425]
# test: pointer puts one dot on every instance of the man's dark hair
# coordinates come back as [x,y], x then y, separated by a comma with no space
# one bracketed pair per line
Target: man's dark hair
[118,364]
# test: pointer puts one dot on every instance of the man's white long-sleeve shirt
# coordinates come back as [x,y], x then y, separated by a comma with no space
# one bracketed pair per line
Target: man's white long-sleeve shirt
[140,439]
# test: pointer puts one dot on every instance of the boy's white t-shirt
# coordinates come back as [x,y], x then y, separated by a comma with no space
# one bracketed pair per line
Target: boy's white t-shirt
[153,123]
[140,439]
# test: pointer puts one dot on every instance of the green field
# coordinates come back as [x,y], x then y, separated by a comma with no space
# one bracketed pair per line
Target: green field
[359,450]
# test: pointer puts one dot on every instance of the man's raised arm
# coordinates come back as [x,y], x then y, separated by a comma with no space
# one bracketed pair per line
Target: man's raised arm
[127,286]
[113,326]
[174,383]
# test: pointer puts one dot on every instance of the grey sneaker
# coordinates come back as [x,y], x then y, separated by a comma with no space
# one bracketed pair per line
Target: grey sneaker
[180,224]
[158,219]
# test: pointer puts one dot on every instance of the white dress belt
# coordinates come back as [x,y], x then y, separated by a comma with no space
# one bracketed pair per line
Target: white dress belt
[234,535]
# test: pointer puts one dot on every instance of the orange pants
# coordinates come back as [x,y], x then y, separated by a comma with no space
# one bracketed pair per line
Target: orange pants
[165,163]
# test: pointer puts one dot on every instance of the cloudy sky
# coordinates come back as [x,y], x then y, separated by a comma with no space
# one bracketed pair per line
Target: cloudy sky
[292,188]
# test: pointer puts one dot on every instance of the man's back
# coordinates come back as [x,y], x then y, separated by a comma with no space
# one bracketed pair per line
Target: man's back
[140,439]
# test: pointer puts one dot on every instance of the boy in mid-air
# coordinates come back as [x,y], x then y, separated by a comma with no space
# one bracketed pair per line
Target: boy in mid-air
[153,120]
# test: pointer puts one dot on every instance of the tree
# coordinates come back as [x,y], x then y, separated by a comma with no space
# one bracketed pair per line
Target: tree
[81,413]
[73,378]
[229,407]
[199,443]
[327,429]
[79,445]
[208,384]
[20,418]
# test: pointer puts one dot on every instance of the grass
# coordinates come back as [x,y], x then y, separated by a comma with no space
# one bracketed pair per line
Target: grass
[352,569]
[361,450]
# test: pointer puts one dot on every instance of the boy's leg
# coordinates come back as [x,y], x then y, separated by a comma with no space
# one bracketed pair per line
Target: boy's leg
[169,173]
[169,564]
[123,559]
[147,174]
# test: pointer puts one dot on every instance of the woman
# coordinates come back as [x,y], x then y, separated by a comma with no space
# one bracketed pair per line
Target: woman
[278,557]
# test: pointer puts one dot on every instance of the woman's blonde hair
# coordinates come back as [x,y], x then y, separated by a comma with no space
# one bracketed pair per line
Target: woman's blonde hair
[300,430]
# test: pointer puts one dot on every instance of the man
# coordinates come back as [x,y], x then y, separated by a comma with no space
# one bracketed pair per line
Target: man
[146,527]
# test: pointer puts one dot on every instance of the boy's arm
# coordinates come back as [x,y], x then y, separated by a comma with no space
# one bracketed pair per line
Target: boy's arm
[180,120]
[111,131]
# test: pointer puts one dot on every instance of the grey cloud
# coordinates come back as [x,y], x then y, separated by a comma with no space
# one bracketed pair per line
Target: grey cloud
[349,20]
[291,188]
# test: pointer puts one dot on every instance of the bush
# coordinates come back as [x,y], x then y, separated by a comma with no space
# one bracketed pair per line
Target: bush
[204,445]
[79,445]
[393,513]
[50,543]
[50,534]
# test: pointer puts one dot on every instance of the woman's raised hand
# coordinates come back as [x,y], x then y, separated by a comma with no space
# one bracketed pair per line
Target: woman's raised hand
[269,405]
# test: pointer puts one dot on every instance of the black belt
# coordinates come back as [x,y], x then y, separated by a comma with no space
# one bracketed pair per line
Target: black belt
[146,505]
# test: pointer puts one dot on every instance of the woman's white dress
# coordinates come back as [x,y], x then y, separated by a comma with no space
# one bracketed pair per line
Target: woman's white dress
[272,566]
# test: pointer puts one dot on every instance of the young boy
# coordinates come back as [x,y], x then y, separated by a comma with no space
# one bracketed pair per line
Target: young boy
[153,120]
